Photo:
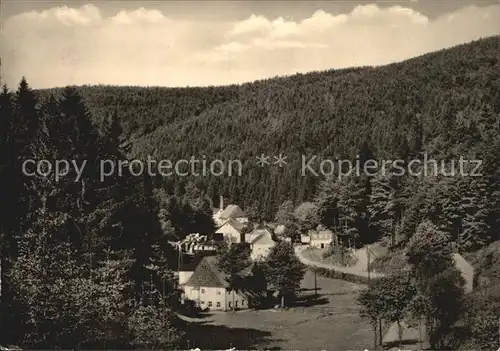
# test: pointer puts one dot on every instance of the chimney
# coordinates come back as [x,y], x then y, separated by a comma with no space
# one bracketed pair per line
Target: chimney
[221,203]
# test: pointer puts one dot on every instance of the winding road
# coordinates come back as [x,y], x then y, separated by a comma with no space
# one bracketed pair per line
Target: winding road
[358,269]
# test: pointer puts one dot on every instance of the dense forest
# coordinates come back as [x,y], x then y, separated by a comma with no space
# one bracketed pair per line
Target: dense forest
[444,103]
[85,263]
[112,236]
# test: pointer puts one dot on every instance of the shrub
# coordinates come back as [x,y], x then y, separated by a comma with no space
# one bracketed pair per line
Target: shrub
[333,274]
[393,262]
[341,255]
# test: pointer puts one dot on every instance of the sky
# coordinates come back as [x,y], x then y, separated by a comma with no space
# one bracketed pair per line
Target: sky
[201,43]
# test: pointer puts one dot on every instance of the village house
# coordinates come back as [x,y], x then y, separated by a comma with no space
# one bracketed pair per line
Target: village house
[222,215]
[231,231]
[207,286]
[195,243]
[261,243]
[234,212]
[257,231]
[320,238]
[305,239]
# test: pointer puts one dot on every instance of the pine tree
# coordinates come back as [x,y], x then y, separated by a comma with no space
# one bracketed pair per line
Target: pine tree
[8,247]
[475,210]
[326,200]
[88,241]
[382,207]
[284,213]
[438,284]
[353,202]
[284,271]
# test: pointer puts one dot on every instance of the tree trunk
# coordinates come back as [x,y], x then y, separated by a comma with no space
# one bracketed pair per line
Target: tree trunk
[375,326]
[282,300]
[381,337]
[400,333]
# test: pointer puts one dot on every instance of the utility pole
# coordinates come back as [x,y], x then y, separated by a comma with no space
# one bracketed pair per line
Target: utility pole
[420,332]
[368,263]
[179,257]
[315,286]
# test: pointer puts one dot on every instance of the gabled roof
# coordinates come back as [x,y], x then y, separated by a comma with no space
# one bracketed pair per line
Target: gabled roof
[187,267]
[261,230]
[262,234]
[234,223]
[258,231]
[232,211]
[263,239]
[208,275]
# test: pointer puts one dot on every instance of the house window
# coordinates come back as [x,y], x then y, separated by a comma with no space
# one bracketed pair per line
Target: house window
[209,303]
[202,302]
[230,305]
[236,304]
[218,304]
[322,246]
[218,292]
[242,302]
[202,291]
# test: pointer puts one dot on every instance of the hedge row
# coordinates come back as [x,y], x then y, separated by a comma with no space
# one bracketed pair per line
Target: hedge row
[349,277]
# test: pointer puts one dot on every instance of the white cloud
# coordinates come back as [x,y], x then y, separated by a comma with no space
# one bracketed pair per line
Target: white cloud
[139,15]
[65,45]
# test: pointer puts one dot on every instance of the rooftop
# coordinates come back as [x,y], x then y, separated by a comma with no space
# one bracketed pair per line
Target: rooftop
[235,224]
[232,211]
[208,275]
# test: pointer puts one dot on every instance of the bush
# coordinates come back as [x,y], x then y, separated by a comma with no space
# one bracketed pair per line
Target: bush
[341,255]
[481,320]
[190,309]
[263,301]
[393,262]
[348,277]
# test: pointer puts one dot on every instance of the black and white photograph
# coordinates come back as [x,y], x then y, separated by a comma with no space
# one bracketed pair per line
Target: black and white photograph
[250,175]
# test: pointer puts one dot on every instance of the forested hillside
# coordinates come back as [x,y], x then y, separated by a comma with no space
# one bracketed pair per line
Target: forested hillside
[444,103]
[107,240]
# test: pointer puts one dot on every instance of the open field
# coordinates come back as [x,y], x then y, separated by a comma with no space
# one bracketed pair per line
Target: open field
[329,323]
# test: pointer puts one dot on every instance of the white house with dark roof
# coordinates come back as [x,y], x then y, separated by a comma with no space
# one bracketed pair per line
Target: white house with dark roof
[231,231]
[208,287]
